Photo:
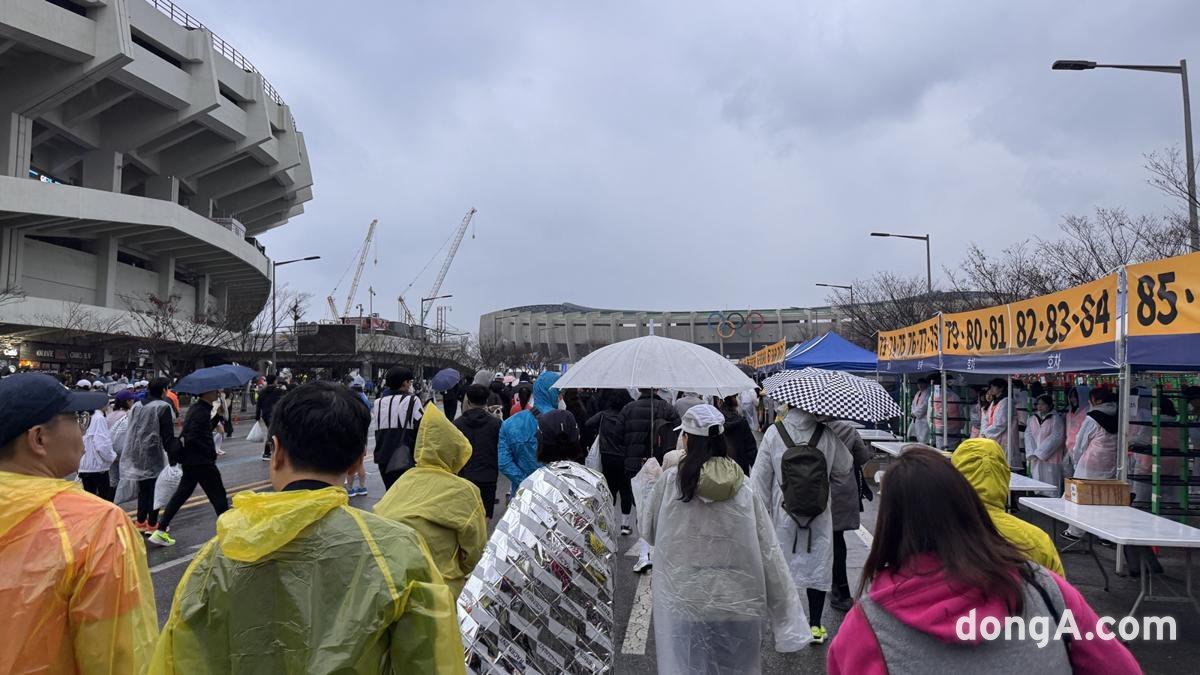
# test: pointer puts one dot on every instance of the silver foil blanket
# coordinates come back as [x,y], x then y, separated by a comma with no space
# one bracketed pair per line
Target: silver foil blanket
[540,599]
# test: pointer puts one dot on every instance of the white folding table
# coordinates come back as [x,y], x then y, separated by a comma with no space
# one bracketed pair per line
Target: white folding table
[876,435]
[1019,483]
[892,448]
[1127,526]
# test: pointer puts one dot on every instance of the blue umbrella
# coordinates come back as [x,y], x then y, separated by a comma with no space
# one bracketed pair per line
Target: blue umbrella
[445,379]
[227,376]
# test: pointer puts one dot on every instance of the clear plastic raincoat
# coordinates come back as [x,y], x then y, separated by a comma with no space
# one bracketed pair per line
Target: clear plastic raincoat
[430,498]
[299,582]
[719,574]
[143,456]
[811,567]
[1095,452]
[1044,445]
[983,462]
[75,593]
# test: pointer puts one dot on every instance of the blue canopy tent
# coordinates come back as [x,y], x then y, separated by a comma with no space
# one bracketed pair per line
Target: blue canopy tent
[831,352]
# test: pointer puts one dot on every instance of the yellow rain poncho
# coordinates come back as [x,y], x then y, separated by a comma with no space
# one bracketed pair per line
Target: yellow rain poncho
[985,465]
[433,500]
[75,593]
[300,582]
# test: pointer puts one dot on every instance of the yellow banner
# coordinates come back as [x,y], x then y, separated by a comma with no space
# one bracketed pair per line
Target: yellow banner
[769,355]
[1077,317]
[914,342]
[1164,296]
[981,332]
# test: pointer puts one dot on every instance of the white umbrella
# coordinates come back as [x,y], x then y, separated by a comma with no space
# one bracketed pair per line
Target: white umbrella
[656,362]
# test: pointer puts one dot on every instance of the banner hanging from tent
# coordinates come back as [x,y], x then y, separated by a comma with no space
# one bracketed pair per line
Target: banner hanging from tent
[1164,313]
[767,356]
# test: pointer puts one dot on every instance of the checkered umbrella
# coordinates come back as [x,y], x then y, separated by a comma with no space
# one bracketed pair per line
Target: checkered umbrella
[775,379]
[834,393]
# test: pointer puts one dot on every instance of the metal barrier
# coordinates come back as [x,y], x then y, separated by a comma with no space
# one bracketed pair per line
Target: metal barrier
[227,50]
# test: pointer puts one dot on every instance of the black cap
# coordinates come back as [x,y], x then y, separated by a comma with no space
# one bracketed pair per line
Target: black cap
[558,422]
[30,399]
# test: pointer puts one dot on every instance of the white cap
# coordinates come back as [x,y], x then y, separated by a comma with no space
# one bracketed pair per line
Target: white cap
[99,386]
[83,384]
[698,419]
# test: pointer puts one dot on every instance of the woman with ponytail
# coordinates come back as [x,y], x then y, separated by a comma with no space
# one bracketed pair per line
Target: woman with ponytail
[719,572]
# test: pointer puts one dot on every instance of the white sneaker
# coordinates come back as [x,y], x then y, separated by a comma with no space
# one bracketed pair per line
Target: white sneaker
[642,565]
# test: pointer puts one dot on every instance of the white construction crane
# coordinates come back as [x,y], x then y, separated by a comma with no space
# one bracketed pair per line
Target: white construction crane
[362,262]
[437,285]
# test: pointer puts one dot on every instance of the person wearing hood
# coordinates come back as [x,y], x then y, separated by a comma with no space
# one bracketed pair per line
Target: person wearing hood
[996,423]
[918,429]
[809,550]
[985,467]
[939,572]
[297,581]
[442,507]
[482,430]
[76,594]
[517,452]
[1045,433]
[1076,413]
[719,572]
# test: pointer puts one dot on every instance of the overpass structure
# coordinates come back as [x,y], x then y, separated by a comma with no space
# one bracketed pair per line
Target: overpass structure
[569,332]
[140,156]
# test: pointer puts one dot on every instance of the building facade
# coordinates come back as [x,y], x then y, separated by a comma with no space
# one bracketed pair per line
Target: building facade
[570,332]
[140,156]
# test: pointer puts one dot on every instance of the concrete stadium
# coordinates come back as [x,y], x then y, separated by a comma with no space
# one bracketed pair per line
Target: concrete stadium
[140,156]
[570,332]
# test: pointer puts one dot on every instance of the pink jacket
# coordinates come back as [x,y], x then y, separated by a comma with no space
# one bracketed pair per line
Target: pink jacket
[920,597]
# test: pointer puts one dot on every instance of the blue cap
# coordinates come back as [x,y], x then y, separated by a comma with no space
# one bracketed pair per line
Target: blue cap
[30,399]
[555,423]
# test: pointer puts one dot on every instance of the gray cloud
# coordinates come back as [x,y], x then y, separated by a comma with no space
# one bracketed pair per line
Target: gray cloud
[694,155]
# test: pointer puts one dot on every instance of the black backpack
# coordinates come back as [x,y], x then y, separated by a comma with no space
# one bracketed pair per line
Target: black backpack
[804,481]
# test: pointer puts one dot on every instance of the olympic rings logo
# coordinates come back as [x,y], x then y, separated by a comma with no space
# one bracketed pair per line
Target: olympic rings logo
[744,324]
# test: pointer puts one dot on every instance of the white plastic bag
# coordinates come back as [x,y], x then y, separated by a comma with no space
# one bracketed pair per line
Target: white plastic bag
[165,486]
[643,482]
[258,433]
[593,456]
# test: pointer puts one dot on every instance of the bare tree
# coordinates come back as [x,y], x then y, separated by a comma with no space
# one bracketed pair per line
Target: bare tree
[78,323]
[1168,173]
[10,294]
[176,333]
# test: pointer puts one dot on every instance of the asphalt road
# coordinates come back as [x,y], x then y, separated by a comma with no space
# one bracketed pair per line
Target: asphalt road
[634,635]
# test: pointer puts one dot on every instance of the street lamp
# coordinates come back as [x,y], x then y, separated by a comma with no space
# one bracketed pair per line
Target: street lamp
[274,323]
[848,288]
[424,311]
[1181,70]
[928,258]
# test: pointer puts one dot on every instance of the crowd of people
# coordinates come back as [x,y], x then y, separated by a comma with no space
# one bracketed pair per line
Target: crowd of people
[739,534]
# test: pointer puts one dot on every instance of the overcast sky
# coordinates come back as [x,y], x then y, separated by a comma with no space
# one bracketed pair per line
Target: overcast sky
[696,155]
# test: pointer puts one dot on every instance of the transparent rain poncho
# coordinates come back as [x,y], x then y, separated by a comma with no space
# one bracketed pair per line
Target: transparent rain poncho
[719,575]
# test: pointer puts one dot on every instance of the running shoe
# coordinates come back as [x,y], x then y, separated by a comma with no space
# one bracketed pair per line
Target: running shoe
[626,530]
[161,538]
[642,565]
[220,451]
[362,491]
[266,458]
[819,635]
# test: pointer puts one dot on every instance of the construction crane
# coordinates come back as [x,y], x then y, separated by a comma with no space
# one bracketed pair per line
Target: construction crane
[406,312]
[437,285]
[362,262]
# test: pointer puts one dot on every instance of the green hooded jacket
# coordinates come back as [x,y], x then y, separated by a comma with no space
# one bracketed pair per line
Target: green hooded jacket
[433,500]
[300,582]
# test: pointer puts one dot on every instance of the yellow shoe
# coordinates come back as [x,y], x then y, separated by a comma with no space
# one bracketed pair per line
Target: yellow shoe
[819,635]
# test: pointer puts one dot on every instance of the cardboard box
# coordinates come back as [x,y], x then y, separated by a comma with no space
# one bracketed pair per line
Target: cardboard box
[1096,492]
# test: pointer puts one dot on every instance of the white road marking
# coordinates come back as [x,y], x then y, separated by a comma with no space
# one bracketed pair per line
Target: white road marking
[638,628]
[176,562]
[864,536]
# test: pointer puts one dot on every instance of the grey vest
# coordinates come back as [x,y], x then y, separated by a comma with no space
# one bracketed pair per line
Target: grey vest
[907,650]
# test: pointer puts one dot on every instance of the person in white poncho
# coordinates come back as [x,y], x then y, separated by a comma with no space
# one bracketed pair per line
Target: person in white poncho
[719,572]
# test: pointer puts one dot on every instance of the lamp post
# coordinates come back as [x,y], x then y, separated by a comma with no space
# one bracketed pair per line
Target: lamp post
[848,288]
[928,257]
[1181,70]
[274,324]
